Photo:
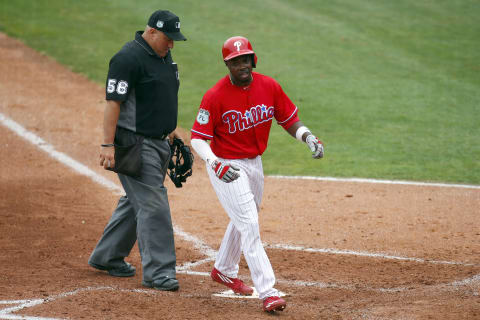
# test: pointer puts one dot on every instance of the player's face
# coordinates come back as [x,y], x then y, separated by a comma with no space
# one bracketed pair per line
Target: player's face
[240,69]
[161,43]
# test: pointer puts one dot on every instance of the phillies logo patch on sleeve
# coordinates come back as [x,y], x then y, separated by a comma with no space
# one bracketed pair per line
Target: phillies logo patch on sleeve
[203,116]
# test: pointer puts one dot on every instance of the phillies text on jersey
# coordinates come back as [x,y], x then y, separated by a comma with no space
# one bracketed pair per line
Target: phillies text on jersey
[256,115]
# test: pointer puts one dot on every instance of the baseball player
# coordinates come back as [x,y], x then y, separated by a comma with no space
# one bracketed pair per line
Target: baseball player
[235,115]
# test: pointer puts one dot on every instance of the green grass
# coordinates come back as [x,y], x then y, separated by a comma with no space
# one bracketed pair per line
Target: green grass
[391,87]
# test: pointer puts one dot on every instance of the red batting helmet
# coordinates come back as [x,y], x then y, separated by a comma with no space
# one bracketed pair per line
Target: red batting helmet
[238,46]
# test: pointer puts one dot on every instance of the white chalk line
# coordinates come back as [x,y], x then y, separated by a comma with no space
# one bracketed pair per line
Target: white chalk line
[198,244]
[59,156]
[363,180]
[363,254]
[19,305]
[23,304]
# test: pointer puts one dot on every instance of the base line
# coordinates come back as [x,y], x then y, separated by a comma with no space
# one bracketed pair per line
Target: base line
[59,156]
[365,254]
[362,180]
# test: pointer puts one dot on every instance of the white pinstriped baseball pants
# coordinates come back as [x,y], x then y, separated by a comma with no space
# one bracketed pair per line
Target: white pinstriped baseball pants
[241,200]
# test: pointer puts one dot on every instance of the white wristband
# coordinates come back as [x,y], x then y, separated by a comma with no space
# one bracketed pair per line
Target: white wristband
[300,132]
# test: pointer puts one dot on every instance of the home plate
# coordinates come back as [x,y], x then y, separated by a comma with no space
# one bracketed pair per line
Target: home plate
[230,294]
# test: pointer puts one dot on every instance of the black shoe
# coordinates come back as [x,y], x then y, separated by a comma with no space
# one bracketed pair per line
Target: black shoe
[164,284]
[127,270]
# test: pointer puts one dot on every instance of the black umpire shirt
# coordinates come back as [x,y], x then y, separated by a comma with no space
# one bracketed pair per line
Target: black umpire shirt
[147,86]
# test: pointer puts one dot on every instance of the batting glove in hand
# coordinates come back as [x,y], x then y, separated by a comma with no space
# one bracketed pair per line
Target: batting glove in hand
[315,145]
[225,172]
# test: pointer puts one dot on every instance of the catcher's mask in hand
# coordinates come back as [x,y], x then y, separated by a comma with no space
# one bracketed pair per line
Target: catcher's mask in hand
[181,162]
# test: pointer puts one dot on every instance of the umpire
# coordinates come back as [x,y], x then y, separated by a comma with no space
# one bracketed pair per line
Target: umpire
[142,107]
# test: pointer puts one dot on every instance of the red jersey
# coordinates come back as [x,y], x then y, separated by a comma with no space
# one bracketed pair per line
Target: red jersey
[237,120]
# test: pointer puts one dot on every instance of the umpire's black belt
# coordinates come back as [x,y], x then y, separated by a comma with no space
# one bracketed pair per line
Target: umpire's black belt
[162,137]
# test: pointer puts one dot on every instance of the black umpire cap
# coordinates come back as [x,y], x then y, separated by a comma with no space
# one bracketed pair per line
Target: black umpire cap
[168,23]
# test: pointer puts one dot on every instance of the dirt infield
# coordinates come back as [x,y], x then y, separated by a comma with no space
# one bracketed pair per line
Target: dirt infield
[340,250]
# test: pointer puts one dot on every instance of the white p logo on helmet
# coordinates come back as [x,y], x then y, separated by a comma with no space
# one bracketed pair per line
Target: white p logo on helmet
[237,44]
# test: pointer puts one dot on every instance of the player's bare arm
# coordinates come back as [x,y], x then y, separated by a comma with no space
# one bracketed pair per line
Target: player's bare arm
[110,118]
